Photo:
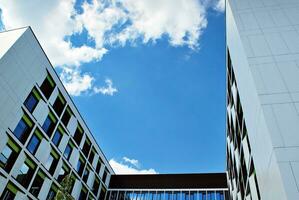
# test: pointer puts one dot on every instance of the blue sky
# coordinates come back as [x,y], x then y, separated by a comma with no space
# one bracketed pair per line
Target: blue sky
[154,101]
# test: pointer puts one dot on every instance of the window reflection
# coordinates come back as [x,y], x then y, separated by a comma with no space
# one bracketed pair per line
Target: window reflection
[166,195]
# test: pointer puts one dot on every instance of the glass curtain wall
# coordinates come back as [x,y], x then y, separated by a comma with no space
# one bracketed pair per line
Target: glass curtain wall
[167,195]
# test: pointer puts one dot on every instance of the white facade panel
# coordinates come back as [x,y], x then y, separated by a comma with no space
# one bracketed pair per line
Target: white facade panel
[263,41]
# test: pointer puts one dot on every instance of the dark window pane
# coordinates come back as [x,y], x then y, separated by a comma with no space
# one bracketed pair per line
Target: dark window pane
[22,130]
[49,125]
[66,116]
[51,163]
[86,174]
[67,151]
[86,147]
[102,194]
[8,193]
[104,176]
[78,135]
[91,156]
[51,194]
[57,137]
[83,194]
[47,86]
[33,144]
[80,167]
[31,102]
[59,104]
[98,167]
[63,172]
[36,185]
[95,187]
[25,174]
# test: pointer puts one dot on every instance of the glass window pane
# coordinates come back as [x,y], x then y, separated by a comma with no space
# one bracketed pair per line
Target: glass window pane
[67,151]
[6,152]
[57,137]
[20,131]
[31,102]
[33,144]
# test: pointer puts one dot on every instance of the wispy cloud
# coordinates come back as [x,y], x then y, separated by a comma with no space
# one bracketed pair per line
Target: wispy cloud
[106,90]
[129,166]
[220,6]
[132,161]
[107,23]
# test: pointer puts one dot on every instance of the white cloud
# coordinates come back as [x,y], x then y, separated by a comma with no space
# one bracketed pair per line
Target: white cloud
[75,82]
[182,21]
[108,23]
[122,168]
[220,6]
[132,161]
[107,90]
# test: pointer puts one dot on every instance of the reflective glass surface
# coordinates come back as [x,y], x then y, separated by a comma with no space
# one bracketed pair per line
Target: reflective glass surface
[31,102]
[57,137]
[33,144]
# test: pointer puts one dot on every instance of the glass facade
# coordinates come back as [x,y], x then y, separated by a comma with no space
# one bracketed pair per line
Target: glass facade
[167,194]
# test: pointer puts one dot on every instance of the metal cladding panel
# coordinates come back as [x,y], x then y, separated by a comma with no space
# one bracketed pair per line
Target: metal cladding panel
[168,181]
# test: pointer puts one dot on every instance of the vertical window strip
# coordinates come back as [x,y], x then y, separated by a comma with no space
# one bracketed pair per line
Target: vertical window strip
[36,94]
[51,81]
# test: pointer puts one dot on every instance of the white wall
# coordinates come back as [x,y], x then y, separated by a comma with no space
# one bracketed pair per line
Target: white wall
[263,38]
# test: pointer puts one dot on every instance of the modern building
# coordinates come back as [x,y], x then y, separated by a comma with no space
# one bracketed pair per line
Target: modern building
[168,187]
[43,138]
[263,99]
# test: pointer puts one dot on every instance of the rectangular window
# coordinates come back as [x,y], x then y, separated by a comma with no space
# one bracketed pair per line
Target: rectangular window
[59,104]
[91,156]
[52,193]
[47,86]
[83,194]
[86,147]
[105,175]
[86,174]
[49,124]
[80,165]
[68,150]
[26,172]
[78,135]
[23,129]
[63,172]
[58,136]
[66,116]
[34,142]
[102,194]
[98,167]
[95,187]
[9,192]
[37,183]
[52,162]
[32,100]
[9,155]
[72,182]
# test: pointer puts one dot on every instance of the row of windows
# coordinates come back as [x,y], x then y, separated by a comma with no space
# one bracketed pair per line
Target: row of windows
[239,171]
[27,127]
[50,123]
[167,195]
